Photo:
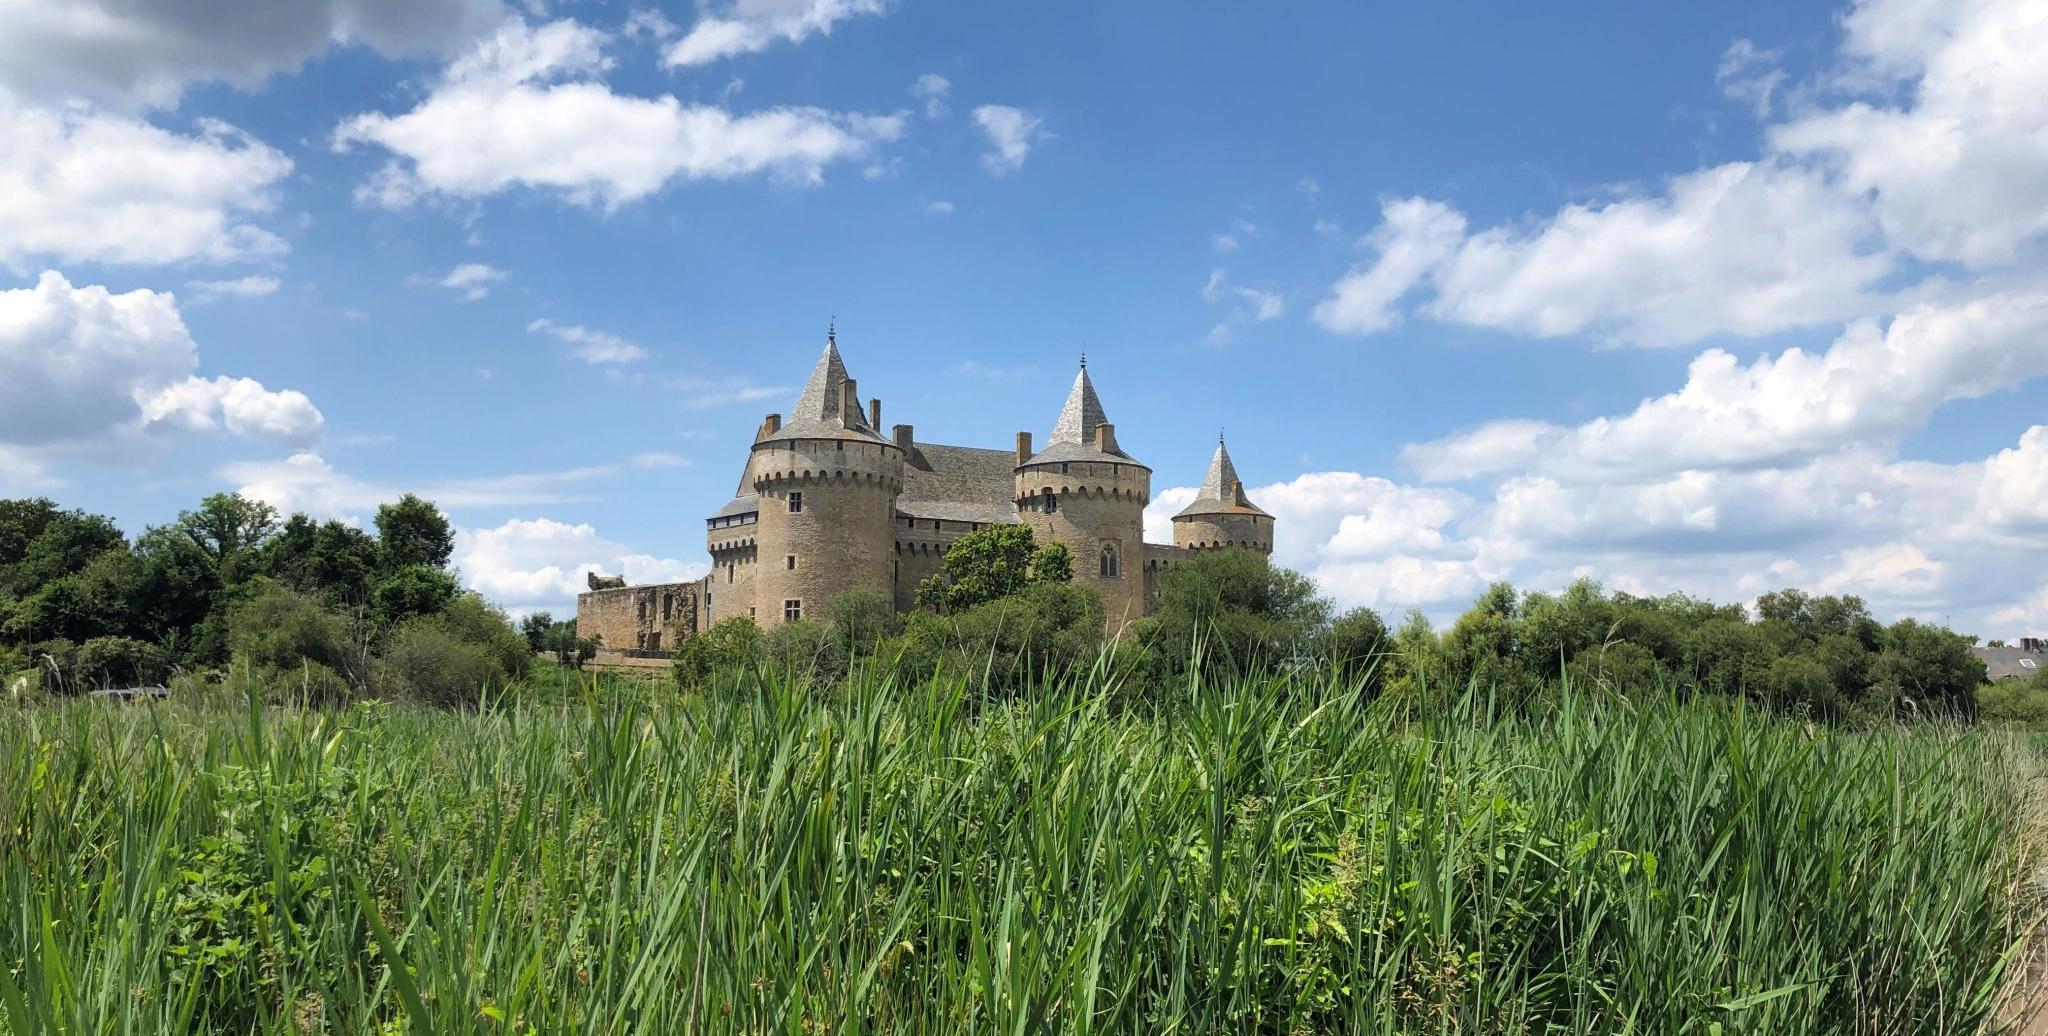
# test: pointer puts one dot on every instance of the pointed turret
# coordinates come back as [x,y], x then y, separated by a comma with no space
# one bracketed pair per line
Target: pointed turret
[1220,514]
[829,406]
[1083,431]
[1222,492]
[1084,491]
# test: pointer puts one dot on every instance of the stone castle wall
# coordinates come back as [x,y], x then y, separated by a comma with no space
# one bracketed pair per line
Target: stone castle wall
[1210,531]
[920,553]
[838,538]
[644,618]
[1099,507]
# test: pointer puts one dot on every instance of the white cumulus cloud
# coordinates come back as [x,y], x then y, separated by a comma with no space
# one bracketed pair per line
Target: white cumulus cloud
[1011,133]
[78,185]
[529,564]
[91,370]
[145,52]
[528,108]
[593,347]
[749,26]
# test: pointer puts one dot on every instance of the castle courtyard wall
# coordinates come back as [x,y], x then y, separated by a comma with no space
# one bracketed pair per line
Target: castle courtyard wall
[656,617]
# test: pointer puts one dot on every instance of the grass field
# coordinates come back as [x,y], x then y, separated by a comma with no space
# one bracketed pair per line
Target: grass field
[1265,856]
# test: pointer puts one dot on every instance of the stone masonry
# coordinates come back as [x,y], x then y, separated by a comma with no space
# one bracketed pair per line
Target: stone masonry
[827,503]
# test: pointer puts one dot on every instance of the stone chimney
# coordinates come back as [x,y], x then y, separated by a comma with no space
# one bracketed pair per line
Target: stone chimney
[875,413]
[1237,497]
[1105,437]
[1023,447]
[849,403]
[903,437]
[769,426]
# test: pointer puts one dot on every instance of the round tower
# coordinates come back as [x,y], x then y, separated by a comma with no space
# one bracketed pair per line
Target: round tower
[826,483]
[1084,491]
[1221,515]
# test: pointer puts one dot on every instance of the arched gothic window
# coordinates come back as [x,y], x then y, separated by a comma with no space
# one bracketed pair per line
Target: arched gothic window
[1110,569]
[1052,503]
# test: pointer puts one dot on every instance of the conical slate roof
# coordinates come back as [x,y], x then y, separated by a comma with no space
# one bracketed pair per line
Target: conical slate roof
[1080,415]
[1073,435]
[816,414]
[1222,492]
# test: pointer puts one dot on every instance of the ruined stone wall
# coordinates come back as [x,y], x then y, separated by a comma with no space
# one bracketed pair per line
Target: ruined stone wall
[657,617]
[840,538]
[1098,507]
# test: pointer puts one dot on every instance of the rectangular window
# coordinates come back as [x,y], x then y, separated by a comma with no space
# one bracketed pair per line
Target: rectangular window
[789,562]
[796,502]
[2028,663]
[750,611]
[792,610]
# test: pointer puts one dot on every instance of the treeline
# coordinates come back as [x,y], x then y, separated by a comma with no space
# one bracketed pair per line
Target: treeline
[313,610]
[322,611]
[1003,609]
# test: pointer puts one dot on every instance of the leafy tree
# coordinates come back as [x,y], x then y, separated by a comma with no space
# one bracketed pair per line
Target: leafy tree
[731,645]
[1241,607]
[568,648]
[1926,670]
[410,592]
[64,543]
[1356,643]
[278,628]
[1013,640]
[2019,703]
[413,533]
[536,627]
[451,658]
[328,558]
[862,619]
[992,563]
[121,662]
[228,529]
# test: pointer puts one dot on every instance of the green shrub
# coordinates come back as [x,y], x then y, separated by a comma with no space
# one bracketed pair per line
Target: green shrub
[2015,703]
[422,662]
[862,619]
[277,628]
[121,662]
[471,619]
[730,646]
[1015,640]
[805,650]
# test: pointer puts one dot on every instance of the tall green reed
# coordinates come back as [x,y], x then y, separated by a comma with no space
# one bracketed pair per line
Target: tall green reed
[1263,853]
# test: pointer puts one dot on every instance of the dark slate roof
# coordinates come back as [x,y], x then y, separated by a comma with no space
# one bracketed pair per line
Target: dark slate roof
[2005,662]
[1220,491]
[816,414]
[959,483]
[1073,435]
[747,504]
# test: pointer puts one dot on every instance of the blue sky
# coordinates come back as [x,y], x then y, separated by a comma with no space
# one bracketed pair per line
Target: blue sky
[1715,298]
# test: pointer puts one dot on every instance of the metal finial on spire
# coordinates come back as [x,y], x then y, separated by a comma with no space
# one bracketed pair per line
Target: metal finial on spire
[1219,435]
[832,331]
[1084,356]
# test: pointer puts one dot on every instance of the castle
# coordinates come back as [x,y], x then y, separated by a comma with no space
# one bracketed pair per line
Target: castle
[827,503]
